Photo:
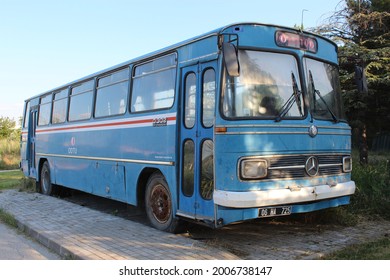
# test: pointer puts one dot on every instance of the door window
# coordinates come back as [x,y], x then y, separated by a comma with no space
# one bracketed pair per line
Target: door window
[207,175]
[190,104]
[208,96]
[188,168]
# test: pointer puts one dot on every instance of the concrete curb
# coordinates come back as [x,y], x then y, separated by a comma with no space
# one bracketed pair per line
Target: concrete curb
[50,244]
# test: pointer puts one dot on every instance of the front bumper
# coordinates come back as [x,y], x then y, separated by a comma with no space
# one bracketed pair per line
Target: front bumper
[251,199]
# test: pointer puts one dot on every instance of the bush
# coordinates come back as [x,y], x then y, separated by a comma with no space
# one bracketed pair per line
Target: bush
[372,197]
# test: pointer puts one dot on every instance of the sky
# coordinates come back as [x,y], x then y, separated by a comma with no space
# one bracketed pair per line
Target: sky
[48,43]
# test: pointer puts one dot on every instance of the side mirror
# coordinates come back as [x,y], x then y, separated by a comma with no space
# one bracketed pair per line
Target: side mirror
[230,57]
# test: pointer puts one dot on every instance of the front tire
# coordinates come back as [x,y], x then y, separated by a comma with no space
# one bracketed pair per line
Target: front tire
[45,185]
[158,203]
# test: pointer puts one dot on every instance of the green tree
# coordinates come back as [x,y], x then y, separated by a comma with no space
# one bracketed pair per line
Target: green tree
[7,127]
[361,28]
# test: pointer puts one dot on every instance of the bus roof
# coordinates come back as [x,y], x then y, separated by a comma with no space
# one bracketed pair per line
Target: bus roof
[170,48]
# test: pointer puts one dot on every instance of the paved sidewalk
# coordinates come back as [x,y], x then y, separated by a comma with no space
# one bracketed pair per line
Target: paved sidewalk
[78,232]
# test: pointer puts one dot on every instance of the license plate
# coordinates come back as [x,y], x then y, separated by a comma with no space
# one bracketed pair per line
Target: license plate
[275,211]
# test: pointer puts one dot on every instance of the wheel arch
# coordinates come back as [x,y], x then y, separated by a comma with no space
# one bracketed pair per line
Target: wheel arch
[143,178]
[40,164]
[160,204]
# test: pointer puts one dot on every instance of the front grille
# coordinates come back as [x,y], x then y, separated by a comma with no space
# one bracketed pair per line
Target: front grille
[285,167]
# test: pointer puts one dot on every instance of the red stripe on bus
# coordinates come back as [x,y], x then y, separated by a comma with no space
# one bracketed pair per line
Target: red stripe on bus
[143,121]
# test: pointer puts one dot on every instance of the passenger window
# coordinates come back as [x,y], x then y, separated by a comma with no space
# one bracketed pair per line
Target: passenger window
[111,95]
[44,110]
[81,101]
[60,106]
[154,84]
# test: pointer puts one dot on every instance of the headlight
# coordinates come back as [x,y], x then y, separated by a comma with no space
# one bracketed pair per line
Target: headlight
[253,169]
[347,164]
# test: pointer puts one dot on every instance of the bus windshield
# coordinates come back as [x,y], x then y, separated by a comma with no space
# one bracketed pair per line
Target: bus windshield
[267,83]
[323,87]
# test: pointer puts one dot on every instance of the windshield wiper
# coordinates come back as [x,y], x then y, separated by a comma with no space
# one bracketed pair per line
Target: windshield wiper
[295,97]
[316,91]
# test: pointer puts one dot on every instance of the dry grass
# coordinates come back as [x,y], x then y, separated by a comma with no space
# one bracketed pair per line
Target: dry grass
[9,154]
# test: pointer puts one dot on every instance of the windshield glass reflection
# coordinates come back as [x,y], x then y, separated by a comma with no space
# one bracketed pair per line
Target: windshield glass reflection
[264,87]
[323,87]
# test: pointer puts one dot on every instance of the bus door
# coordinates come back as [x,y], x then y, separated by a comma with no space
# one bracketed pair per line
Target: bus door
[32,126]
[198,89]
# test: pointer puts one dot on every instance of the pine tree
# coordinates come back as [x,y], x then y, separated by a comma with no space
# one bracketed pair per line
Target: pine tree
[361,28]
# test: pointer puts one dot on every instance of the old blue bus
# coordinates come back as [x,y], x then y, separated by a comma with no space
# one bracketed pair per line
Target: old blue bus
[240,123]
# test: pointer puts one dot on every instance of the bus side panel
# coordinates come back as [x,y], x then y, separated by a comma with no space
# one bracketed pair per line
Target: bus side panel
[109,181]
[157,145]
[106,158]
[73,173]
[96,177]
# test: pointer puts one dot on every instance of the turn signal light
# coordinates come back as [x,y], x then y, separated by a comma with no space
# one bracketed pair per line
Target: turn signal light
[220,129]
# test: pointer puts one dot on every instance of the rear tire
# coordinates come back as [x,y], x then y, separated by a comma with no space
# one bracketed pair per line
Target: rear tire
[45,185]
[158,203]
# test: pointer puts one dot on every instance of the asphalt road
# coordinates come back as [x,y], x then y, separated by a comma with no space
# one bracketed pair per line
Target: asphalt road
[17,246]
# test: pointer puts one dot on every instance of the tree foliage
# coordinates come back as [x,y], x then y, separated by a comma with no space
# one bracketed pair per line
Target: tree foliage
[361,28]
[7,128]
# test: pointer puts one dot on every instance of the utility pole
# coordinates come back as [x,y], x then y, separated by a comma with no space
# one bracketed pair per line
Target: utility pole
[303,10]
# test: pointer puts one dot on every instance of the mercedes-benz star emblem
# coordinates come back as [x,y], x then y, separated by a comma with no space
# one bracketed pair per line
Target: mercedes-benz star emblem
[313,131]
[312,166]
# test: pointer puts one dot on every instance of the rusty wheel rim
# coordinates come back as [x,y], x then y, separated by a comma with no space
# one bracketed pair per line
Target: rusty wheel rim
[160,203]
